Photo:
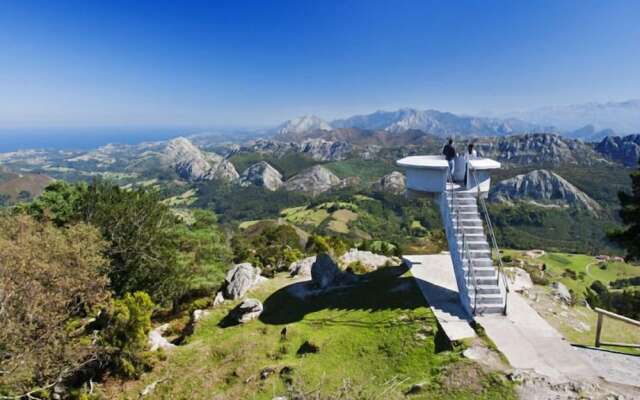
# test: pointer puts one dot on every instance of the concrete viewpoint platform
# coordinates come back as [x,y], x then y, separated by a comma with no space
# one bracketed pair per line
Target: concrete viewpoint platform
[523,336]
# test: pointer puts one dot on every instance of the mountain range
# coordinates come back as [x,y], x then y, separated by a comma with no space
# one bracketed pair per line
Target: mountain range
[588,121]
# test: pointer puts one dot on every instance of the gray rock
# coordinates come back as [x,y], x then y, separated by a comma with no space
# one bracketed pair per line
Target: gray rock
[625,150]
[302,267]
[313,181]
[561,292]
[157,341]
[368,259]
[240,279]
[392,183]
[193,164]
[261,174]
[544,187]
[199,314]
[246,311]
[219,299]
[325,273]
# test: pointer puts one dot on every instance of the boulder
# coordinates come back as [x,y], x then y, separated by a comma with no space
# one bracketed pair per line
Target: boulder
[325,273]
[199,314]
[520,280]
[261,174]
[240,279]
[302,267]
[313,181]
[561,292]
[156,341]
[246,311]
[219,299]
[368,259]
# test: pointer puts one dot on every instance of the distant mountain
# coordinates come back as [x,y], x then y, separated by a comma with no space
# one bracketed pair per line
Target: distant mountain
[313,181]
[539,149]
[307,123]
[261,174]
[589,133]
[622,117]
[438,123]
[191,163]
[544,188]
[625,150]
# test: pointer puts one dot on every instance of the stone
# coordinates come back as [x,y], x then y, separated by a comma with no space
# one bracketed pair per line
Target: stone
[325,273]
[368,259]
[313,181]
[519,280]
[199,314]
[240,279]
[246,311]
[302,267]
[219,299]
[157,341]
[266,373]
[561,292]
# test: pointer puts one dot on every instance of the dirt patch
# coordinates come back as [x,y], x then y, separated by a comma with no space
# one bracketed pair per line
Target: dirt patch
[465,376]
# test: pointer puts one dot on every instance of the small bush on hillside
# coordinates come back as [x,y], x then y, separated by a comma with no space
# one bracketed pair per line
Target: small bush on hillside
[125,337]
[507,259]
[569,273]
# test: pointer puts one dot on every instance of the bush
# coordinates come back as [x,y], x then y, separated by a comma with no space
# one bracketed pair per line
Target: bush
[507,258]
[50,285]
[125,336]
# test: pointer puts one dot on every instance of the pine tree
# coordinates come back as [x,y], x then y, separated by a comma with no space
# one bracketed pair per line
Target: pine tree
[629,237]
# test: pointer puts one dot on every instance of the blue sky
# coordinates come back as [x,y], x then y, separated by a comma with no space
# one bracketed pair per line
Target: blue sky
[250,63]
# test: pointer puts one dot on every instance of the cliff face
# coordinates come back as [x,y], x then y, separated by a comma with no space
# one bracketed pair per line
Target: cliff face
[545,188]
[625,150]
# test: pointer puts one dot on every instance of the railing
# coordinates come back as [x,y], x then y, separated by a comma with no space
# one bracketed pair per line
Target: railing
[602,313]
[494,243]
[464,251]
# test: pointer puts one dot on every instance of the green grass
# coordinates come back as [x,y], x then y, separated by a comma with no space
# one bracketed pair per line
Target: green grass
[367,170]
[369,349]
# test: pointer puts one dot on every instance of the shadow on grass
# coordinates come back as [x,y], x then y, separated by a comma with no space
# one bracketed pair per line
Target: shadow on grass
[385,289]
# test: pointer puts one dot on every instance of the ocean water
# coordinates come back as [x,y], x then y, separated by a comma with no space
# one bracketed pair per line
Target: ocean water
[81,139]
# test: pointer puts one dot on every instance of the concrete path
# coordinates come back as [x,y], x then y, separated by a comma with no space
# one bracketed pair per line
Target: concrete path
[523,336]
[435,277]
[530,343]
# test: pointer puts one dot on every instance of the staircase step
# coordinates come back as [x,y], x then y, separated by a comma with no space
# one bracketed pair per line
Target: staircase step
[485,288]
[478,261]
[483,272]
[474,244]
[489,309]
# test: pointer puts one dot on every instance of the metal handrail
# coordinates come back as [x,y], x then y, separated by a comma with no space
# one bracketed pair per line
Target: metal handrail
[494,242]
[465,246]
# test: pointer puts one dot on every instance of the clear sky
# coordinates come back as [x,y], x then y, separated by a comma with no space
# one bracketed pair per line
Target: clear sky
[243,63]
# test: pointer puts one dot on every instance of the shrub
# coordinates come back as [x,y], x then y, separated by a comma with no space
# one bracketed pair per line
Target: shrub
[125,336]
[50,284]
[507,258]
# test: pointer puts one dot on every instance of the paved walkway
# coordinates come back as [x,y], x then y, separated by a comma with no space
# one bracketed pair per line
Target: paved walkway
[614,367]
[434,275]
[524,337]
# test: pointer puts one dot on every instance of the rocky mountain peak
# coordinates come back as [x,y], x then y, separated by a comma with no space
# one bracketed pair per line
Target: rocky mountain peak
[302,125]
[625,150]
[545,188]
[261,174]
[313,181]
[392,183]
[191,163]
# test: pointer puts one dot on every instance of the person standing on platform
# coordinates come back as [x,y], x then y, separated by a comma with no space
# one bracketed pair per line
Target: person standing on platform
[450,154]
[470,154]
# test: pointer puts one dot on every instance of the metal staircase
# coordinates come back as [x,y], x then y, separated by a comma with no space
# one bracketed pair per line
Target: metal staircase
[482,285]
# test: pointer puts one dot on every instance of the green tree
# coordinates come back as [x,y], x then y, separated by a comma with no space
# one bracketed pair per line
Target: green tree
[60,202]
[629,237]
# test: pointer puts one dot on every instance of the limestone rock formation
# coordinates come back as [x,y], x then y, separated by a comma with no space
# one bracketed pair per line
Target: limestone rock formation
[393,183]
[246,311]
[625,150]
[302,267]
[261,174]
[325,273]
[543,187]
[368,259]
[240,279]
[157,341]
[191,163]
[313,181]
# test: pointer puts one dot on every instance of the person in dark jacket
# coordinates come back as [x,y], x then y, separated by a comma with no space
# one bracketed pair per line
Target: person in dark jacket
[450,154]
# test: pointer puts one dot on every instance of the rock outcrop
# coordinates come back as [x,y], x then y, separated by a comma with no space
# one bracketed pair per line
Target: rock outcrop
[246,311]
[261,174]
[325,273]
[313,181]
[543,187]
[193,164]
[393,183]
[302,267]
[300,125]
[625,150]
[157,341]
[240,279]
[370,260]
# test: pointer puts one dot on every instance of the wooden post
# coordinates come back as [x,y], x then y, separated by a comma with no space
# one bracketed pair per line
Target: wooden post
[598,329]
